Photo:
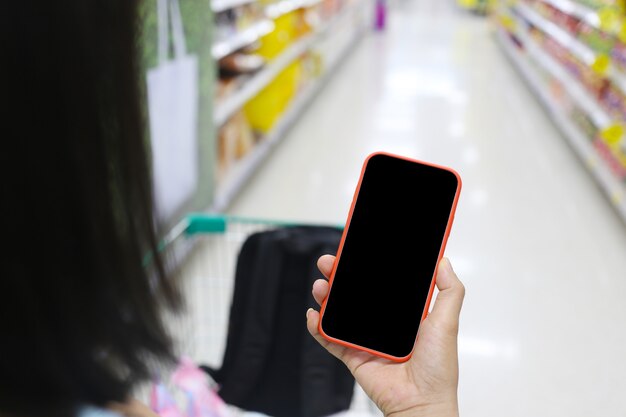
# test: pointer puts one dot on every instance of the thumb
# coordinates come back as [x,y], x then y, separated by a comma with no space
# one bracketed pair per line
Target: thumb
[449,300]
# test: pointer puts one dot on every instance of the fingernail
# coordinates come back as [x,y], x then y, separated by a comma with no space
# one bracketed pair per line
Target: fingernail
[307,313]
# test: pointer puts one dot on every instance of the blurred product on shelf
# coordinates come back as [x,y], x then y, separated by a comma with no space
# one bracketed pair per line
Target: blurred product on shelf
[237,64]
[265,109]
[225,87]
[598,40]
[613,101]
[584,123]
[312,67]
[478,6]
[235,140]
[237,28]
[287,28]
[598,4]
[618,54]
[381,14]
[610,157]
[573,55]
[232,21]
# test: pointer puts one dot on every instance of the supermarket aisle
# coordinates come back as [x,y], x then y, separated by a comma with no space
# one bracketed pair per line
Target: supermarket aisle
[540,250]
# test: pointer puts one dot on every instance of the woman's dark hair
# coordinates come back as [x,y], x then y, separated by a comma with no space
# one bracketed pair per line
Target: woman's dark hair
[79,311]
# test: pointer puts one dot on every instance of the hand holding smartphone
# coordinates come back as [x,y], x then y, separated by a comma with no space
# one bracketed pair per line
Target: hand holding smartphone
[383,277]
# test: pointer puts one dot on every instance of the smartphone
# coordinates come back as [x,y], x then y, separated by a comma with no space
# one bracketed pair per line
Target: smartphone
[384,273]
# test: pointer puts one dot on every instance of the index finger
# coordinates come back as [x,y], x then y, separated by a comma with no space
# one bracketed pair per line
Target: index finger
[325,264]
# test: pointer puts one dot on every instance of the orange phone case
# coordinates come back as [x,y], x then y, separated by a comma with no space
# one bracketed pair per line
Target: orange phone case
[343,238]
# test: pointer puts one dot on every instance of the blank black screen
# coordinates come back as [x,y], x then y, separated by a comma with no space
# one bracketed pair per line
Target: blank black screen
[389,255]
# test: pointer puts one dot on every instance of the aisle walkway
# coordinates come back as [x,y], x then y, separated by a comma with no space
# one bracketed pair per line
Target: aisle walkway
[541,252]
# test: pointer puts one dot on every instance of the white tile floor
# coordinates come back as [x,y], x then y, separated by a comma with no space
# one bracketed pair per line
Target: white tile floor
[540,250]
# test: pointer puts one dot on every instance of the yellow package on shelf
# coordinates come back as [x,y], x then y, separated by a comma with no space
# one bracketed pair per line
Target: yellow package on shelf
[264,110]
[284,33]
[468,4]
[477,5]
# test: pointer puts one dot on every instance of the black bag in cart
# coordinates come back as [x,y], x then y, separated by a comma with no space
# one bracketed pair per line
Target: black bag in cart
[271,364]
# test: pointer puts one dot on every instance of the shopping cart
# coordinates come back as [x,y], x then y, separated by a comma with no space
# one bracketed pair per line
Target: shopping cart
[206,247]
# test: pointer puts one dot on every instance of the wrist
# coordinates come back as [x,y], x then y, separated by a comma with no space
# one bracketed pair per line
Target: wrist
[444,409]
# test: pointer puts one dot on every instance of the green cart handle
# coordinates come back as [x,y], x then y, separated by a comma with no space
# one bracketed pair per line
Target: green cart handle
[210,223]
[205,223]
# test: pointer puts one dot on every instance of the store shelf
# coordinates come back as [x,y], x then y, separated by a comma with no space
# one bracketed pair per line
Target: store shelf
[252,87]
[618,78]
[580,11]
[221,5]
[257,82]
[575,89]
[275,10]
[614,189]
[244,38]
[242,170]
[579,49]
[272,11]
[252,34]
[583,52]
[475,5]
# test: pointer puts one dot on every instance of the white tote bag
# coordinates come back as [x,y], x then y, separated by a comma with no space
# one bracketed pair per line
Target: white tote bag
[173,112]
